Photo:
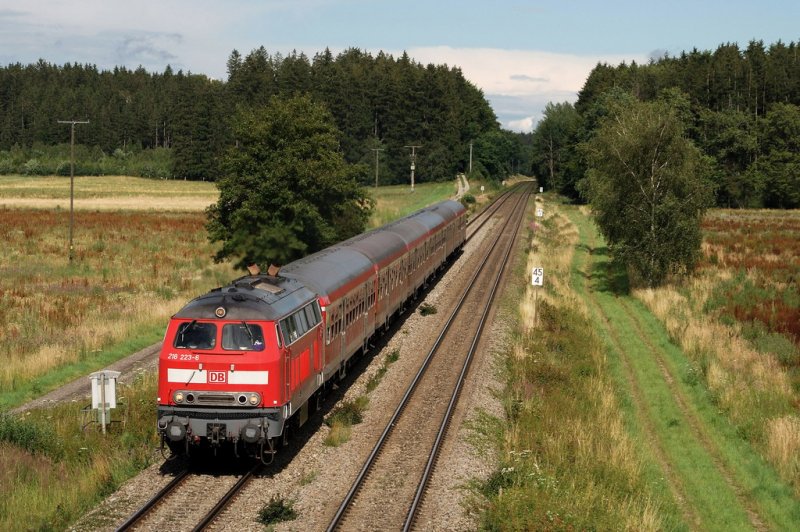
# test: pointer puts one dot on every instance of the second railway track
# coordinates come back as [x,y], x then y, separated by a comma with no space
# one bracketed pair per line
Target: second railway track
[193,500]
[390,486]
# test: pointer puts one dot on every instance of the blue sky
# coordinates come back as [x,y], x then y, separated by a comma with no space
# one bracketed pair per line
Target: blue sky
[522,54]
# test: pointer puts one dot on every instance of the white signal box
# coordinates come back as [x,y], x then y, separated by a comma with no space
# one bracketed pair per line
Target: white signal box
[537,277]
[541,189]
[539,213]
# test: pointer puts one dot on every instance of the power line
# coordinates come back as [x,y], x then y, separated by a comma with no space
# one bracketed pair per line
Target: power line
[71,176]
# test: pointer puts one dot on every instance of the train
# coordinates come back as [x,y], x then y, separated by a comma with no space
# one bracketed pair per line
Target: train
[244,362]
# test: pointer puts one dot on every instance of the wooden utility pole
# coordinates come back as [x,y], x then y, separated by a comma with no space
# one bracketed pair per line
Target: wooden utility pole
[72,177]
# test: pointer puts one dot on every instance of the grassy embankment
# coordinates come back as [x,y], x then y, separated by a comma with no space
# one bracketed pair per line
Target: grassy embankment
[611,425]
[140,253]
[566,459]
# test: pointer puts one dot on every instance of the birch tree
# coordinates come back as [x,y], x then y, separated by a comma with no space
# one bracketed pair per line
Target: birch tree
[648,187]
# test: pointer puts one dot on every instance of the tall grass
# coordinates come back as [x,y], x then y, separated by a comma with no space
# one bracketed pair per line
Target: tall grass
[129,274]
[566,460]
[52,470]
[750,368]
[107,192]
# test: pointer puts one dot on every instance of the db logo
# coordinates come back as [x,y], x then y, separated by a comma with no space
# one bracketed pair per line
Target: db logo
[217,376]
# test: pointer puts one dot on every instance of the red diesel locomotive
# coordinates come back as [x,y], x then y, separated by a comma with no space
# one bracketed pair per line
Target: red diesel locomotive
[242,361]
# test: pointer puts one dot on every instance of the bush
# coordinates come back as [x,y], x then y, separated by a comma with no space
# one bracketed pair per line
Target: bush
[7,166]
[276,511]
[32,167]
[33,437]
[348,413]
[427,309]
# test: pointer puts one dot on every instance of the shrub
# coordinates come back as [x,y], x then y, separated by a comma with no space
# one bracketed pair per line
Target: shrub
[348,413]
[32,167]
[426,309]
[33,437]
[277,510]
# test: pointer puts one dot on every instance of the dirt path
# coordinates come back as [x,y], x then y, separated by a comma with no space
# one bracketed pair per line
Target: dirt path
[130,367]
[704,487]
[671,477]
[690,414]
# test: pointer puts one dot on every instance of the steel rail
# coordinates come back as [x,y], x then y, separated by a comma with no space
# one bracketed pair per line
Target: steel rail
[226,499]
[487,212]
[432,457]
[157,498]
[346,503]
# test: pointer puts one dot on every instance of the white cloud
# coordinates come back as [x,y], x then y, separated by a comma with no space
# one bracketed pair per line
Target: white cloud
[523,124]
[110,32]
[520,83]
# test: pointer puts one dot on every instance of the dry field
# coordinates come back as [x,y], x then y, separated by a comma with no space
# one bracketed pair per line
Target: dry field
[140,252]
[131,271]
[106,193]
[739,321]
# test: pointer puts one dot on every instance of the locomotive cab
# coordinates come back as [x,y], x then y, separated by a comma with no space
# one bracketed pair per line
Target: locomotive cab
[221,366]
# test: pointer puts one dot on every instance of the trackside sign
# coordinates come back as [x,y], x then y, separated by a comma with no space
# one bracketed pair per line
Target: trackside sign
[537,277]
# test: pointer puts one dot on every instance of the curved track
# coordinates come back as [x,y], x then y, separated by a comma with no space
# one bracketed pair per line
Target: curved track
[403,459]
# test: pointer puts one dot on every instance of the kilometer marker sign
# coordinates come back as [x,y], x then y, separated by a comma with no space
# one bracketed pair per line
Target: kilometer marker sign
[537,277]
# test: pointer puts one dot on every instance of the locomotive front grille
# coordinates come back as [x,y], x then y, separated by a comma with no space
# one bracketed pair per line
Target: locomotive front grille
[216,398]
[221,399]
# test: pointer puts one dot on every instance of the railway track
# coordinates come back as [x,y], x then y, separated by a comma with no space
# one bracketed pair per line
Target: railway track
[178,506]
[186,500]
[484,215]
[403,459]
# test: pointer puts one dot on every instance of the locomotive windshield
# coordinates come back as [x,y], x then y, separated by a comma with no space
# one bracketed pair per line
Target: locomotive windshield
[195,335]
[242,337]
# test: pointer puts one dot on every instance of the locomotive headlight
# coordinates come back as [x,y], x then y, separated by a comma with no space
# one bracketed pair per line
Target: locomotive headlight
[178,397]
[254,399]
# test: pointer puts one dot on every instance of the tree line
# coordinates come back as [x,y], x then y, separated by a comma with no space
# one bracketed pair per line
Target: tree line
[740,107]
[178,125]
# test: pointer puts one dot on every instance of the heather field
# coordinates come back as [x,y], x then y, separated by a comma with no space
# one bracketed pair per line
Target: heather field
[756,257]
[131,271]
[738,320]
